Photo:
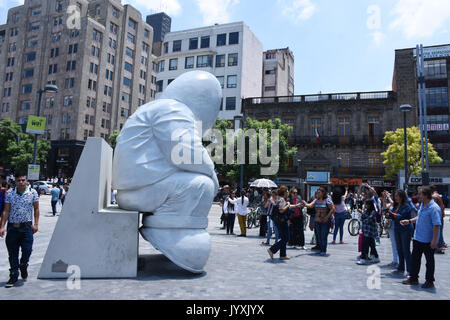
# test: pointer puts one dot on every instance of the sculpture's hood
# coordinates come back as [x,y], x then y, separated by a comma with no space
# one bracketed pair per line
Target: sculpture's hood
[201,92]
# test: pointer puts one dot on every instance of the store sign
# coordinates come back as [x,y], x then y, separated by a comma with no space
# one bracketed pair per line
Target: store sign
[433,180]
[346,181]
[33,172]
[36,125]
[437,52]
[438,127]
[312,176]
[381,183]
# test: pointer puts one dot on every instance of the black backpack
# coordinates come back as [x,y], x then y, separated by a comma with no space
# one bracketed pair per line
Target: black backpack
[278,217]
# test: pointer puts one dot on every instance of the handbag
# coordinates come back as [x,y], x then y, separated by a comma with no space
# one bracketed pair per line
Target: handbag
[278,217]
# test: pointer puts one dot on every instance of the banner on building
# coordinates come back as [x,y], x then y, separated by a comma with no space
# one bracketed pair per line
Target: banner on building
[321,177]
[436,52]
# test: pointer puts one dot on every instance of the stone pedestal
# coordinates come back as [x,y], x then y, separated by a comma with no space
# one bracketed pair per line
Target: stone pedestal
[100,239]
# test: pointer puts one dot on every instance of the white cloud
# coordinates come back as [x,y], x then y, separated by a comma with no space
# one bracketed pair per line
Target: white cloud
[419,18]
[298,9]
[215,11]
[170,7]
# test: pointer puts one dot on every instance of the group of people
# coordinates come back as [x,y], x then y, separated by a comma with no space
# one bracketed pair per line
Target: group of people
[419,221]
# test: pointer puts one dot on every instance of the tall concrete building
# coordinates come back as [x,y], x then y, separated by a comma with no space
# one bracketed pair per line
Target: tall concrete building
[278,73]
[100,59]
[229,51]
[161,24]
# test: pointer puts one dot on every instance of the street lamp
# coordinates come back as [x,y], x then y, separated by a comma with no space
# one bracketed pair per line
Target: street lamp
[405,108]
[47,88]
[239,124]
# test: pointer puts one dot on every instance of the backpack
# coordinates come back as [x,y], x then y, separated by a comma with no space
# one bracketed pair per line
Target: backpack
[278,217]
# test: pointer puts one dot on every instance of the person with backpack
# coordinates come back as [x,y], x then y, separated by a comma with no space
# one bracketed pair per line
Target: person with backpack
[280,216]
[297,233]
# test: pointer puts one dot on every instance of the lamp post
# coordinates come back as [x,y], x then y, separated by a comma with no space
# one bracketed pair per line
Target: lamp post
[405,108]
[239,124]
[339,159]
[47,88]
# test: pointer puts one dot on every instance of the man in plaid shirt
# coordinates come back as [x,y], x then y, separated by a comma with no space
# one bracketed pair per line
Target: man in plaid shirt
[369,230]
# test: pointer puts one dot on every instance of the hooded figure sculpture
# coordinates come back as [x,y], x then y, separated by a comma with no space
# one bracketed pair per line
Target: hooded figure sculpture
[160,166]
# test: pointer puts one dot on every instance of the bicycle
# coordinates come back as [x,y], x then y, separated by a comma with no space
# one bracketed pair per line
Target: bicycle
[354,225]
[253,218]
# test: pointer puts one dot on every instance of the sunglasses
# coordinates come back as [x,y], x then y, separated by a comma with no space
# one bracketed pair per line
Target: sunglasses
[21,180]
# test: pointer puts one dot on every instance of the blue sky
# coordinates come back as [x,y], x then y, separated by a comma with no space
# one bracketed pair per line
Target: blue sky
[339,46]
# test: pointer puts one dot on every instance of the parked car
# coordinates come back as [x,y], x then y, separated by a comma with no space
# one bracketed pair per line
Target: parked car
[44,187]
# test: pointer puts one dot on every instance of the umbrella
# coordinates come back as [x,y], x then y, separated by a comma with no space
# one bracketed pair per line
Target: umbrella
[263,183]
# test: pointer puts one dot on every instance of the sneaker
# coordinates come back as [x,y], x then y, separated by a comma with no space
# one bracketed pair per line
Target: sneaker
[439,251]
[270,253]
[315,248]
[285,258]
[341,242]
[363,262]
[428,285]
[303,248]
[410,282]
[12,281]
[358,258]
[23,272]
[375,260]
[333,242]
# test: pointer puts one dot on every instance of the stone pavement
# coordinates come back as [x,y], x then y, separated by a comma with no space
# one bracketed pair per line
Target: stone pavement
[238,268]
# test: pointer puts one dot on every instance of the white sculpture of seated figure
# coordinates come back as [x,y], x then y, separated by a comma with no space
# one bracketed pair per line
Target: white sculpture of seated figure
[149,178]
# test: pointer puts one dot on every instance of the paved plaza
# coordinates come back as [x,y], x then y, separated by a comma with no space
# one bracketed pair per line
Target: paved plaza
[238,268]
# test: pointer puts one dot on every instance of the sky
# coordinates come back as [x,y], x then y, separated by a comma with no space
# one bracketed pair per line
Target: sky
[339,46]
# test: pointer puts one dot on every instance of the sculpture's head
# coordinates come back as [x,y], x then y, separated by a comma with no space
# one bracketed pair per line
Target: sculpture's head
[201,92]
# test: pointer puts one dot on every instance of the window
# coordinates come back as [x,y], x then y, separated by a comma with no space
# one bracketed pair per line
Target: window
[27,88]
[126,82]
[124,112]
[230,103]
[221,80]
[221,39]
[34,26]
[68,100]
[128,67]
[54,52]
[69,83]
[316,125]
[74,33]
[271,56]
[374,160]
[220,61]
[437,97]
[28,73]
[112,43]
[173,64]
[272,71]
[232,59]
[30,57]
[129,52]
[146,33]
[115,12]
[71,65]
[204,43]
[132,24]
[159,86]
[193,43]
[176,46]
[57,21]
[130,37]
[145,47]
[58,6]
[166,47]
[143,75]
[88,102]
[5,107]
[113,27]
[125,97]
[25,105]
[374,125]
[232,81]
[109,75]
[161,66]
[23,120]
[233,38]
[91,120]
[269,88]
[96,35]
[435,69]
[36,11]
[344,126]
[32,42]
[344,161]
[204,61]
[49,119]
[189,63]
[49,103]
[53,68]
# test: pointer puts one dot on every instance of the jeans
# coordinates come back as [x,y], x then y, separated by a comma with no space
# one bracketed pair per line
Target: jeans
[339,220]
[281,244]
[392,235]
[441,241]
[54,207]
[19,238]
[420,248]
[297,234]
[323,228]
[271,224]
[368,242]
[229,221]
[403,239]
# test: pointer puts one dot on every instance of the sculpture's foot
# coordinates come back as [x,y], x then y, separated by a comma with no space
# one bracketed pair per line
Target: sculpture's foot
[187,248]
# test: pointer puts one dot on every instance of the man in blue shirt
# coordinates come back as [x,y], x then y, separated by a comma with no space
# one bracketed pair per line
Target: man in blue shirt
[426,236]
[55,197]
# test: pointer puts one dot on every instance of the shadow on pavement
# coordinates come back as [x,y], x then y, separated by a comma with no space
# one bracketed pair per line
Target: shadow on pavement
[157,267]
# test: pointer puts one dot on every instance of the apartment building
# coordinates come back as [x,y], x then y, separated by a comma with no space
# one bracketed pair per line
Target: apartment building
[98,53]
[229,51]
[278,73]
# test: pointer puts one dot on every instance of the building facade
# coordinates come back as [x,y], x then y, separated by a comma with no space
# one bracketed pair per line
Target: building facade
[278,73]
[101,63]
[229,51]
[405,83]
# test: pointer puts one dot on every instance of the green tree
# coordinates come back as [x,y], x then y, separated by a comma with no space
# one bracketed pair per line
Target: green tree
[253,171]
[18,156]
[113,138]
[394,156]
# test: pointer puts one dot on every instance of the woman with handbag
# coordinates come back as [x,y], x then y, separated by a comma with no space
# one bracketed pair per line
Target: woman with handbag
[324,210]
[297,234]
[340,215]
[263,206]
[280,217]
